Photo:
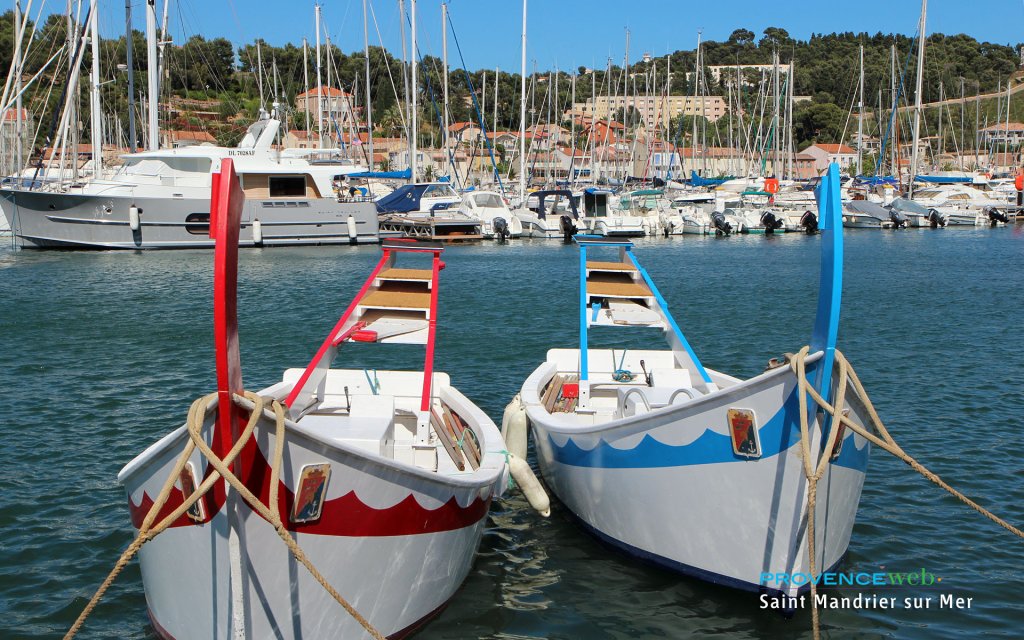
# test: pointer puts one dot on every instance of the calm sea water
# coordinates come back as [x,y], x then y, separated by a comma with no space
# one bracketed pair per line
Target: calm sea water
[102,353]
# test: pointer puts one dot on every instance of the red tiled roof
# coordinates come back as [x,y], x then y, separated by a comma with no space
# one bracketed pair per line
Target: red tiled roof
[198,136]
[833,149]
[329,92]
[12,114]
[1013,126]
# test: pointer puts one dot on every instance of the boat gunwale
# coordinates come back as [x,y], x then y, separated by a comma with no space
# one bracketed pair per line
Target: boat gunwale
[492,465]
[547,370]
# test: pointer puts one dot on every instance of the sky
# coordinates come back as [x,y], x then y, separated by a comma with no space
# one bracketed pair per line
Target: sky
[562,34]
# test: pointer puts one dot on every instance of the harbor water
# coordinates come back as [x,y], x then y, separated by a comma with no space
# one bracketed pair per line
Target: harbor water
[104,351]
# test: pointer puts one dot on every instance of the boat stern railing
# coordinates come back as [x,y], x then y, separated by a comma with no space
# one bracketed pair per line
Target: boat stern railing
[674,335]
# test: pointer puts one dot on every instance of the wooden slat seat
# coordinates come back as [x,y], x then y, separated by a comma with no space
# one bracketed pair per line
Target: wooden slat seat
[406,274]
[602,285]
[396,300]
[609,266]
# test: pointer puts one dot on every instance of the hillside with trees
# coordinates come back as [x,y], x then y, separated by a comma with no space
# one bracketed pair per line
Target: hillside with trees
[826,71]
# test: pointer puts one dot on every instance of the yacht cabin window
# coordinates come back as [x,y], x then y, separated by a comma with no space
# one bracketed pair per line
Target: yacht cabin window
[287,186]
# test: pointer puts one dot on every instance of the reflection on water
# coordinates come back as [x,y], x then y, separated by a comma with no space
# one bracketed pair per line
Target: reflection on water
[104,352]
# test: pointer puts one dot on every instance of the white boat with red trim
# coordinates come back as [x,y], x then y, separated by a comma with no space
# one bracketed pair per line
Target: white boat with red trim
[385,477]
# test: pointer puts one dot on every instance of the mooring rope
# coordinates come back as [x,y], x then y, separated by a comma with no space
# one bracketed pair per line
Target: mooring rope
[883,440]
[196,417]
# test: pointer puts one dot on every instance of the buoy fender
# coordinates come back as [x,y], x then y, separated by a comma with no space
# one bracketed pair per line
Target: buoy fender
[529,485]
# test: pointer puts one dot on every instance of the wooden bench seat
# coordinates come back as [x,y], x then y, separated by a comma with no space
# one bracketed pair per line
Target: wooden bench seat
[611,286]
[609,266]
[396,300]
[407,274]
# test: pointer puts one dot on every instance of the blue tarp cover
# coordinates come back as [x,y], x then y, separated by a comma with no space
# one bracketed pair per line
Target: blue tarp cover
[946,179]
[698,181]
[387,175]
[403,199]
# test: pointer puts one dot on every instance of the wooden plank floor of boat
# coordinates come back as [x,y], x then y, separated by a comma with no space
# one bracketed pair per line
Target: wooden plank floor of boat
[599,284]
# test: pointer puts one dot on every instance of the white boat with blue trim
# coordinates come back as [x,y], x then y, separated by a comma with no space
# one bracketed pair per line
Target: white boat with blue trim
[684,466]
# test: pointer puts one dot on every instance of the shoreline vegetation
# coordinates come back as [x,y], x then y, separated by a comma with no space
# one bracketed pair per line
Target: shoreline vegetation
[213,82]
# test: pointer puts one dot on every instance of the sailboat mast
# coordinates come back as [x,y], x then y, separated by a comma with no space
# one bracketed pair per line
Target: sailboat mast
[319,85]
[522,116]
[305,79]
[1006,131]
[259,72]
[942,137]
[667,112]
[775,117]
[790,147]
[152,81]
[444,66]
[129,42]
[572,131]
[917,98]
[860,118]
[963,114]
[96,132]
[895,148]
[696,84]
[414,85]
[19,34]
[369,104]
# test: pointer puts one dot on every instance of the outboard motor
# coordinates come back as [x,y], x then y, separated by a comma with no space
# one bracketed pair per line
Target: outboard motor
[722,226]
[809,221]
[567,227]
[936,219]
[770,222]
[899,221]
[500,227]
[996,216]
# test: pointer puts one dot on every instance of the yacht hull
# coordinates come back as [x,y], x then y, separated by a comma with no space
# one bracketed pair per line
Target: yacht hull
[44,219]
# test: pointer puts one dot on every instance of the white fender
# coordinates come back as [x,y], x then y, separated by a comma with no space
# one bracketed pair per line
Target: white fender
[529,485]
[513,427]
[133,218]
[257,232]
[353,233]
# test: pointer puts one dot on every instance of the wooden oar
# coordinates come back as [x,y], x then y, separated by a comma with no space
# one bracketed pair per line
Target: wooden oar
[447,439]
[465,435]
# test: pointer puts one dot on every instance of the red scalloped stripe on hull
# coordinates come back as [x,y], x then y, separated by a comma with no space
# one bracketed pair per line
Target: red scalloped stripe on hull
[343,516]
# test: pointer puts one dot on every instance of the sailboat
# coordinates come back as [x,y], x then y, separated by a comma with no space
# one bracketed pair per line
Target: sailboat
[683,466]
[382,478]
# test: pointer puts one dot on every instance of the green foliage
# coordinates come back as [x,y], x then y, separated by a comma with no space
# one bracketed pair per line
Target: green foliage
[817,122]
[629,116]
[826,67]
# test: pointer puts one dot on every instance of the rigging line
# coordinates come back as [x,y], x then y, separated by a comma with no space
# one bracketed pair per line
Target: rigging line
[387,65]
[476,105]
[440,119]
[895,109]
